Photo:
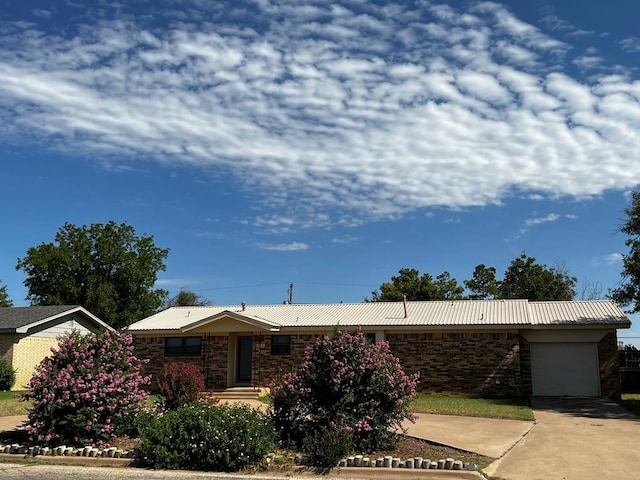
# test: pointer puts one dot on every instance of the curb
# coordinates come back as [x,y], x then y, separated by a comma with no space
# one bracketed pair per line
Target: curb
[66,460]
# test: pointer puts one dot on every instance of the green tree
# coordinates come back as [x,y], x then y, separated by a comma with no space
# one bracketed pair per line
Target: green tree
[483,284]
[409,282]
[5,301]
[447,288]
[106,268]
[186,298]
[527,279]
[628,293]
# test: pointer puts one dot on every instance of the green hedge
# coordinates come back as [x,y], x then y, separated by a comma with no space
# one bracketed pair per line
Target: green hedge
[205,437]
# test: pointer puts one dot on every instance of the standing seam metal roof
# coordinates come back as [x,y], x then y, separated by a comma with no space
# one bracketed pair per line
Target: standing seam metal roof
[458,313]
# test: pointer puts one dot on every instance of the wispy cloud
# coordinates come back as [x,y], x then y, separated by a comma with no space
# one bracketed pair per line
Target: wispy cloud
[631,44]
[347,239]
[176,282]
[611,259]
[284,247]
[333,114]
[552,217]
[535,221]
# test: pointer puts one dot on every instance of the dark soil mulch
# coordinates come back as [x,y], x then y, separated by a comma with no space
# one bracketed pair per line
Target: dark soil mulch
[407,447]
[411,447]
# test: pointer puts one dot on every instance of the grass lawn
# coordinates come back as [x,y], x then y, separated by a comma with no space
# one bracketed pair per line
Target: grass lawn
[511,408]
[631,401]
[10,405]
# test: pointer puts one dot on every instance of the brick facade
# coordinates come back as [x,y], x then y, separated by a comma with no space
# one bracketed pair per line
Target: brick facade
[269,368]
[471,363]
[525,367]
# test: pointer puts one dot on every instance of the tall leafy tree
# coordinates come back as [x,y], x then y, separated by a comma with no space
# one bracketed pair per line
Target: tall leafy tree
[186,298]
[409,282]
[5,301]
[483,284]
[447,288]
[106,268]
[628,293]
[527,279]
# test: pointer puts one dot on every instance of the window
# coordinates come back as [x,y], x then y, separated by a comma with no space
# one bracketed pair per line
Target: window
[280,344]
[175,346]
[371,337]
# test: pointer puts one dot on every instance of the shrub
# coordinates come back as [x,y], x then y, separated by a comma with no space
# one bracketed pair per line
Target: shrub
[345,381]
[7,376]
[202,436]
[180,384]
[326,446]
[87,391]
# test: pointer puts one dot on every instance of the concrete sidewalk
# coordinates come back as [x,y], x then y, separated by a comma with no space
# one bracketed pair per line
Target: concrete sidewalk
[487,436]
[12,423]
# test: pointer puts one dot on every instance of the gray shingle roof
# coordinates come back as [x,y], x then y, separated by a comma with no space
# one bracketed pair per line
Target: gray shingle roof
[14,318]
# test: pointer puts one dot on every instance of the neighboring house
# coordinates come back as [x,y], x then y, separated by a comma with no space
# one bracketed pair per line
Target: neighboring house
[478,347]
[27,334]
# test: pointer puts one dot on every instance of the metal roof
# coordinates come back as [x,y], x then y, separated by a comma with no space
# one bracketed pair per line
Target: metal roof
[457,313]
[582,312]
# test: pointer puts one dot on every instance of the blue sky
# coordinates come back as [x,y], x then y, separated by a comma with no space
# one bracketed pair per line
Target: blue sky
[324,144]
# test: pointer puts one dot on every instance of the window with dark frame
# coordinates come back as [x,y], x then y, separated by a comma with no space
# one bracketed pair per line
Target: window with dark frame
[371,337]
[280,344]
[182,346]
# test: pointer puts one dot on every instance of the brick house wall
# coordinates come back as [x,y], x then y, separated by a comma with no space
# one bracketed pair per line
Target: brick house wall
[269,368]
[212,360]
[471,363]
[525,367]
[214,366]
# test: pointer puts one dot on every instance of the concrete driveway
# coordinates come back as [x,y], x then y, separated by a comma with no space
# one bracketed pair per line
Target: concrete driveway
[574,439]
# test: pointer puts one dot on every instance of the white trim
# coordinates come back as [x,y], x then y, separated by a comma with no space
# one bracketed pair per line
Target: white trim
[25,328]
[253,321]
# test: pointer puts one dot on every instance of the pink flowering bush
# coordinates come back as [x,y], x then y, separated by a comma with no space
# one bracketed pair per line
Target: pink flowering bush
[345,382]
[180,384]
[88,390]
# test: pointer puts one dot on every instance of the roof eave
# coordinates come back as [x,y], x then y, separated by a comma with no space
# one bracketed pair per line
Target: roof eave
[25,328]
[253,321]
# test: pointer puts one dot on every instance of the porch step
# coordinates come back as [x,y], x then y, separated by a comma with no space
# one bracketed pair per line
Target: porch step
[240,393]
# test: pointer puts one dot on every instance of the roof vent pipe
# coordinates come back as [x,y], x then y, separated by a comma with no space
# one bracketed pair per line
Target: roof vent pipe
[404,302]
[244,306]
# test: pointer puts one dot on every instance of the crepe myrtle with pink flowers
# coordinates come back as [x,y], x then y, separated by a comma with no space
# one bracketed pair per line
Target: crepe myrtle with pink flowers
[345,381]
[87,391]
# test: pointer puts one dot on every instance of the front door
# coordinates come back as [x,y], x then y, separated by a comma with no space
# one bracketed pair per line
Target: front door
[244,359]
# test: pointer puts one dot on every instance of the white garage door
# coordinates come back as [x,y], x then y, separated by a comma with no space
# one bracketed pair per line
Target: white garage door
[565,369]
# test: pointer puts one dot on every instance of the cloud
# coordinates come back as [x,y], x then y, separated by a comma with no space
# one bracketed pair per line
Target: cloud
[347,239]
[176,282]
[285,247]
[611,259]
[332,114]
[630,44]
[552,217]
[535,221]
